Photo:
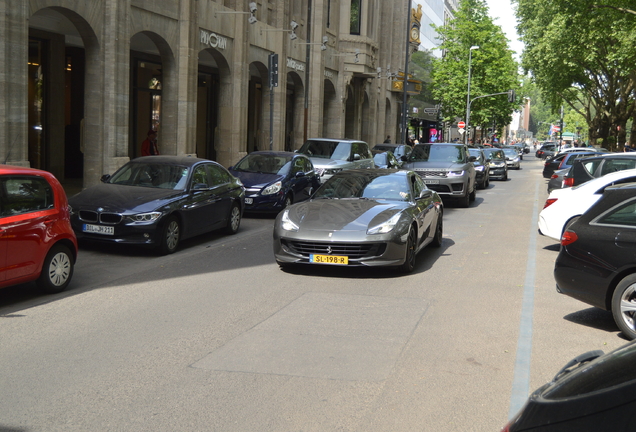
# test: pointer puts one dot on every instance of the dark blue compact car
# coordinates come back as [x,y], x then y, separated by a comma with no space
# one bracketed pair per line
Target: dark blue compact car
[275,179]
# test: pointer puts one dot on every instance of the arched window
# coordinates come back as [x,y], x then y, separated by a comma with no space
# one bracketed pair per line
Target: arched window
[356,17]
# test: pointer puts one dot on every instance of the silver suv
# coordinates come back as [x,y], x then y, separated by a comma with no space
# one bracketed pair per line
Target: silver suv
[330,156]
[446,168]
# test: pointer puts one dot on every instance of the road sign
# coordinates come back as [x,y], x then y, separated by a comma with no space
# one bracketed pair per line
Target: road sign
[430,111]
[461,131]
[461,125]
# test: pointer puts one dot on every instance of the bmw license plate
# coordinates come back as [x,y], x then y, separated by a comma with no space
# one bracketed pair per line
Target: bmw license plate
[98,229]
[329,259]
[249,201]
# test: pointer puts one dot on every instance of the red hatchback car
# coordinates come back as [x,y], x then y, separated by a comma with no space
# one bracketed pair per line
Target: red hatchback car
[37,242]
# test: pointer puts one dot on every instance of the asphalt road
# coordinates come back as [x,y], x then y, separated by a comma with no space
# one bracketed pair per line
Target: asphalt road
[217,338]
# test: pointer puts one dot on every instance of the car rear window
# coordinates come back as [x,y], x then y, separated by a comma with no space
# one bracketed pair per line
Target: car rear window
[613,165]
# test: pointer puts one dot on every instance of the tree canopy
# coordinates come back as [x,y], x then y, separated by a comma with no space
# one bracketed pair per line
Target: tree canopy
[583,53]
[493,68]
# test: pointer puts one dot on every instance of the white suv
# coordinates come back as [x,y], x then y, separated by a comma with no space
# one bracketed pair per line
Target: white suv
[330,156]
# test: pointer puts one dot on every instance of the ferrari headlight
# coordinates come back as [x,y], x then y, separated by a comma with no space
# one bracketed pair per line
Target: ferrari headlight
[272,189]
[286,223]
[456,173]
[385,227]
[142,218]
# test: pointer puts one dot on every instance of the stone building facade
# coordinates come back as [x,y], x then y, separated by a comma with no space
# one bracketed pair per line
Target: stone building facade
[82,81]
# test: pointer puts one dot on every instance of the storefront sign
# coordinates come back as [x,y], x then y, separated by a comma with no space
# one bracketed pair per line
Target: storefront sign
[213,40]
[293,64]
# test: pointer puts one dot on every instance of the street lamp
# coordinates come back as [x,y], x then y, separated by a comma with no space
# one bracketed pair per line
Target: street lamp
[470,57]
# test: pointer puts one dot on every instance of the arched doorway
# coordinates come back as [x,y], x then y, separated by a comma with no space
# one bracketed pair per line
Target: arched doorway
[257,136]
[153,93]
[294,103]
[330,124]
[367,124]
[212,83]
[63,84]
[350,114]
[389,122]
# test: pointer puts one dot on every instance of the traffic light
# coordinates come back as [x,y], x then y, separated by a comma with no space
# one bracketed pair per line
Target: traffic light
[511,96]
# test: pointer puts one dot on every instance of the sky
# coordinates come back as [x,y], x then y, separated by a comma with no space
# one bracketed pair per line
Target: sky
[503,15]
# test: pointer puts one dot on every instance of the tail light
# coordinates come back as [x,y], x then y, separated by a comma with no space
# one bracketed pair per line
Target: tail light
[568,237]
[549,202]
[568,181]
[554,176]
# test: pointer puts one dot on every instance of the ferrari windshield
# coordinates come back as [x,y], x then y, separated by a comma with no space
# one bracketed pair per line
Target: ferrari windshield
[437,153]
[264,164]
[384,187]
[161,176]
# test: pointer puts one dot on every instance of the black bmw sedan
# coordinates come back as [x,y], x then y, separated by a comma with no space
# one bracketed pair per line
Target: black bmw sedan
[158,201]
[597,261]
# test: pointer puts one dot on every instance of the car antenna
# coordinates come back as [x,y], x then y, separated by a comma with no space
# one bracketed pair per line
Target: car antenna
[10,147]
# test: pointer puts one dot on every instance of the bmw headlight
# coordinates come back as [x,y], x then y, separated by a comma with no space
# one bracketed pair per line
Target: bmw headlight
[480,167]
[272,189]
[286,223]
[385,227]
[456,173]
[142,218]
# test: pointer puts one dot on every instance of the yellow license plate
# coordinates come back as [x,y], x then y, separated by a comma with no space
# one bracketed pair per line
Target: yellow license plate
[329,259]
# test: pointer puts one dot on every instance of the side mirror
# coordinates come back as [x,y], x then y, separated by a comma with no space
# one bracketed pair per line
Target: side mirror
[426,193]
[104,178]
[356,157]
[404,158]
[300,174]
[472,158]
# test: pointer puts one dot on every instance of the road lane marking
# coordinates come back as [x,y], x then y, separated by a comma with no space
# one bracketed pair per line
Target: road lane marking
[521,379]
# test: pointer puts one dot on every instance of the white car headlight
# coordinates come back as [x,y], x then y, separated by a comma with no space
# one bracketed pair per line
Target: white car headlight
[142,218]
[286,223]
[385,227]
[456,173]
[272,189]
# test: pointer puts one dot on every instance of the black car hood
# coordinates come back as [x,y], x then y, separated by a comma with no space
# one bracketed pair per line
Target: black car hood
[122,199]
[255,179]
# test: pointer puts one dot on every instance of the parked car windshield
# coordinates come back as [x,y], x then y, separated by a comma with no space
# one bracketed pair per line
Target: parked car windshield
[510,152]
[265,164]
[437,153]
[475,152]
[385,187]
[494,154]
[162,176]
[327,149]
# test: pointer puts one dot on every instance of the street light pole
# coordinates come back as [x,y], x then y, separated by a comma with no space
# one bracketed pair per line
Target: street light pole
[470,57]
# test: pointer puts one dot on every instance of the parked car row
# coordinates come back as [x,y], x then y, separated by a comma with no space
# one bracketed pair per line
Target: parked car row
[594,218]
[157,201]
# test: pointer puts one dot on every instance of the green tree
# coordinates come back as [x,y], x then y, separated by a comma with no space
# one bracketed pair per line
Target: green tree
[582,53]
[493,68]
